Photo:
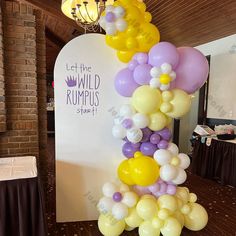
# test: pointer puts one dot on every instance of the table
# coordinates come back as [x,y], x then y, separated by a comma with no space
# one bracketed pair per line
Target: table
[217,161]
[21,201]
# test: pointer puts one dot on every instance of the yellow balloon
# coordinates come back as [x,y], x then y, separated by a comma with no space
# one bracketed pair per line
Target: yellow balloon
[183,194]
[124,173]
[180,104]
[125,56]
[144,170]
[158,121]
[127,228]
[133,220]
[146,100]
[147,208]
[147,229]
[109,226]
[197,218]
[131,43]
[147,17]
[179,216]
[172,227]
[168,202]
[118,41]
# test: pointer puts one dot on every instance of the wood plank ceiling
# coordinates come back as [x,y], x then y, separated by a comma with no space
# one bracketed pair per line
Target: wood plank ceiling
[182,22]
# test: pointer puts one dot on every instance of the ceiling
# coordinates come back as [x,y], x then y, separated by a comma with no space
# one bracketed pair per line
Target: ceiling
[182,22]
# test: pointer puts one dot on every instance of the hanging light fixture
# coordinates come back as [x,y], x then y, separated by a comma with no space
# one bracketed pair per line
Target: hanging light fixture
[85,13]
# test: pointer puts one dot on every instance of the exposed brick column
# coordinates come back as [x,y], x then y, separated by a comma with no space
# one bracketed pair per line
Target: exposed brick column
[42,85]
[19,31]
[2,83]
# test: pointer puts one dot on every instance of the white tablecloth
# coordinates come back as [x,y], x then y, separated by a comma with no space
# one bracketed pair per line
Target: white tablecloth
[18,168]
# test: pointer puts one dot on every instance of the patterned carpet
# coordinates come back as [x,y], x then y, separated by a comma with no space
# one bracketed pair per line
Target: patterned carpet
[220,202]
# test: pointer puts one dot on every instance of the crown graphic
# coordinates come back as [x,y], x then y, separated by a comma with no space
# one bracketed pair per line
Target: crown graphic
[71,81]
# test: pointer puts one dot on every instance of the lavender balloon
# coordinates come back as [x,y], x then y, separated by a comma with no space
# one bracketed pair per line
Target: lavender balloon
[132,65]
[163,144]
[110,17]
[124,83]
[129,149]
[155,138]
[165,134]
[148,149]
[142,74]
[192,70]
[141,58]
[117,197]
[146,134]
[163,52]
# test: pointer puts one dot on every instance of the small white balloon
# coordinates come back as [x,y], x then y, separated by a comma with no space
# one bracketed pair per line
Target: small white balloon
[163,156]
[130,199]
[111,29]
[141,121]
[102,22]
[180,178]
[184,161]
[119,11]
[109,8]
[109,189]
[168,172]
[105,205]
[118,132]
[155,72]
[164,87]
[154,83]
[120,211]
[121,25]
[124,188]
[173,75]
[118,120]
[127,111]
[173,148]
[166,68]
[134,135]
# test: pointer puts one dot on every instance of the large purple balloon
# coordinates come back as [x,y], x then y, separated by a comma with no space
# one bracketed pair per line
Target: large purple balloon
[148,149]
[192,70]
[124,83]
[129,149]
[142,74]
[164,52]
[165,134]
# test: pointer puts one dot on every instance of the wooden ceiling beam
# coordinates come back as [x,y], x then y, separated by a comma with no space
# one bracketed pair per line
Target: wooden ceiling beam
[53,38]
[53,8]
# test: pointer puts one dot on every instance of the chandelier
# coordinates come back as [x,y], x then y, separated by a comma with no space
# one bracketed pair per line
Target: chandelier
[85,13]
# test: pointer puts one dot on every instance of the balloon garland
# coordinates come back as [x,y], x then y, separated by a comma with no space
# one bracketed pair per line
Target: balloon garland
[159,79]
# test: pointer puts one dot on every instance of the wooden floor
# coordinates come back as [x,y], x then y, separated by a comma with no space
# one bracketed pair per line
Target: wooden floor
[220,202]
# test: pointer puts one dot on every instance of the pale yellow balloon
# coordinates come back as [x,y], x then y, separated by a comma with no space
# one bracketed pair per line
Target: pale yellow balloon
[183,194]
[109,226]
[146,100]
[181,103]
[147,229]
[133,220]
[147,208]
[168,202]
[197,218]
[172,227]
[158,121]
[179,216]
[127,228]
[148,196]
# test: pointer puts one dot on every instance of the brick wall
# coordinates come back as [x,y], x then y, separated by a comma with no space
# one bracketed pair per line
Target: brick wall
[2,86]
[24,67]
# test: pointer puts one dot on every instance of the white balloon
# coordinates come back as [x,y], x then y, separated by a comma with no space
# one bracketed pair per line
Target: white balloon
[124,188]
[118,120]
[109,8]
[181,177]
[120,211]
[140,120]
[109,189]
[164,87]
[134,135]
[154,83]
[121,25]
[111,28]
[173,148]
[163,156]
[118,131]
[184,161]
[173,75]
[168,172]
[105,205]
[166,68]
[130,199]
[155,72]
[127,111]
[102,22]
[119,11]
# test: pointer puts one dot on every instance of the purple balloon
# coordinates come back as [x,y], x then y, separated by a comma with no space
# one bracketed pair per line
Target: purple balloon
[110,17]
[171,189]
[142,74]
[141,57]
[155,138]
[117,197]
[129,149]
[124,83]
[163,144]
[127,123]
[148,149]
[192,70]
[132,65]
[146,134]
[163,52]
[165,134]
[154,188]
[141,190]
